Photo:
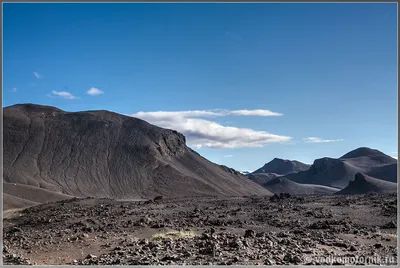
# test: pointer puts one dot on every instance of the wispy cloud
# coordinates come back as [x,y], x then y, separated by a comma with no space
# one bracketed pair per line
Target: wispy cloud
[228,155]
[258,112]
[63,94]
[202,133]
[202,113]
[14,89]
[319,140]
[94,91]
[37,75]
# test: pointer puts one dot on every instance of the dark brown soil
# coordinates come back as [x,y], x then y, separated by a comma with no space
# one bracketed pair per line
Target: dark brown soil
[242,230]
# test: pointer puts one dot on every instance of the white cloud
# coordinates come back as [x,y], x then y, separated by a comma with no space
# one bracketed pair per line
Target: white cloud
[395,157]
[160,115]
[201,133]
[201,113]
[64,94]
[37,75]
[94,91]
[319,140]
[394,152]
[14,89]
[258,112]
[228,155]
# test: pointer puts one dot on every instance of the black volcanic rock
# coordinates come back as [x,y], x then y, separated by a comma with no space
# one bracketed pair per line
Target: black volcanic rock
[363,184]
[282,167]
[104,154]
[339,172]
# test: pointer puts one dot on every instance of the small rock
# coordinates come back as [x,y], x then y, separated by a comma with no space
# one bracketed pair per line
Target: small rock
[296,259]
[143,241]
[389,225]
[269,262]
[249,233]
[90,256]
[158,198]
[352,248]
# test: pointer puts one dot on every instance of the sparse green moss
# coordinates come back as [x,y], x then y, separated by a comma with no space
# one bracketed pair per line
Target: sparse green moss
[174,235]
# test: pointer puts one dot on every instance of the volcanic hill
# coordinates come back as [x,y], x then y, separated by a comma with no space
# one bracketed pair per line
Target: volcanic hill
[60,154]
[339,172]
[282,167]
[363,184]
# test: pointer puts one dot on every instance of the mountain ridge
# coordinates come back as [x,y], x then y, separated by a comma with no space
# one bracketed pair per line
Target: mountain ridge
[337,172]
[282,167]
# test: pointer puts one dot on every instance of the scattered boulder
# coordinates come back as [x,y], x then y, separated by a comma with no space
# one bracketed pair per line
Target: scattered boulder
[274,198]
[249,233]
[157,198]
[389,225]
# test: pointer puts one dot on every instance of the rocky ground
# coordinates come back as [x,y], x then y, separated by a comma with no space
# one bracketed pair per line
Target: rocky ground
[243,230]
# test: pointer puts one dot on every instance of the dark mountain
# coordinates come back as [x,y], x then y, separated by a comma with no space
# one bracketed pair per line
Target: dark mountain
[283,185]
[338,172]
[104,154]
[282,167]
[262,178]
[363,151]
[364,184]
[368,159]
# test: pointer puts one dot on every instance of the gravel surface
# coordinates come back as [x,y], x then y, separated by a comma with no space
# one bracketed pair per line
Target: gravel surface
[238,230]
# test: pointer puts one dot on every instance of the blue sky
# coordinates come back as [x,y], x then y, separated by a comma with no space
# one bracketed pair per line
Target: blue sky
[244,82]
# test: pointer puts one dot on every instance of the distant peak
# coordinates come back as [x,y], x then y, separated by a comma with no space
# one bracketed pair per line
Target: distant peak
[362,151]
[282,166]
[280,160]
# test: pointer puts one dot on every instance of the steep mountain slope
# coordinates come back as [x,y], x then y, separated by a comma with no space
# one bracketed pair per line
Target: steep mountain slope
[104,154]
[363,184]
[338,172]
[283,185]
[387,172]
[282,167]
